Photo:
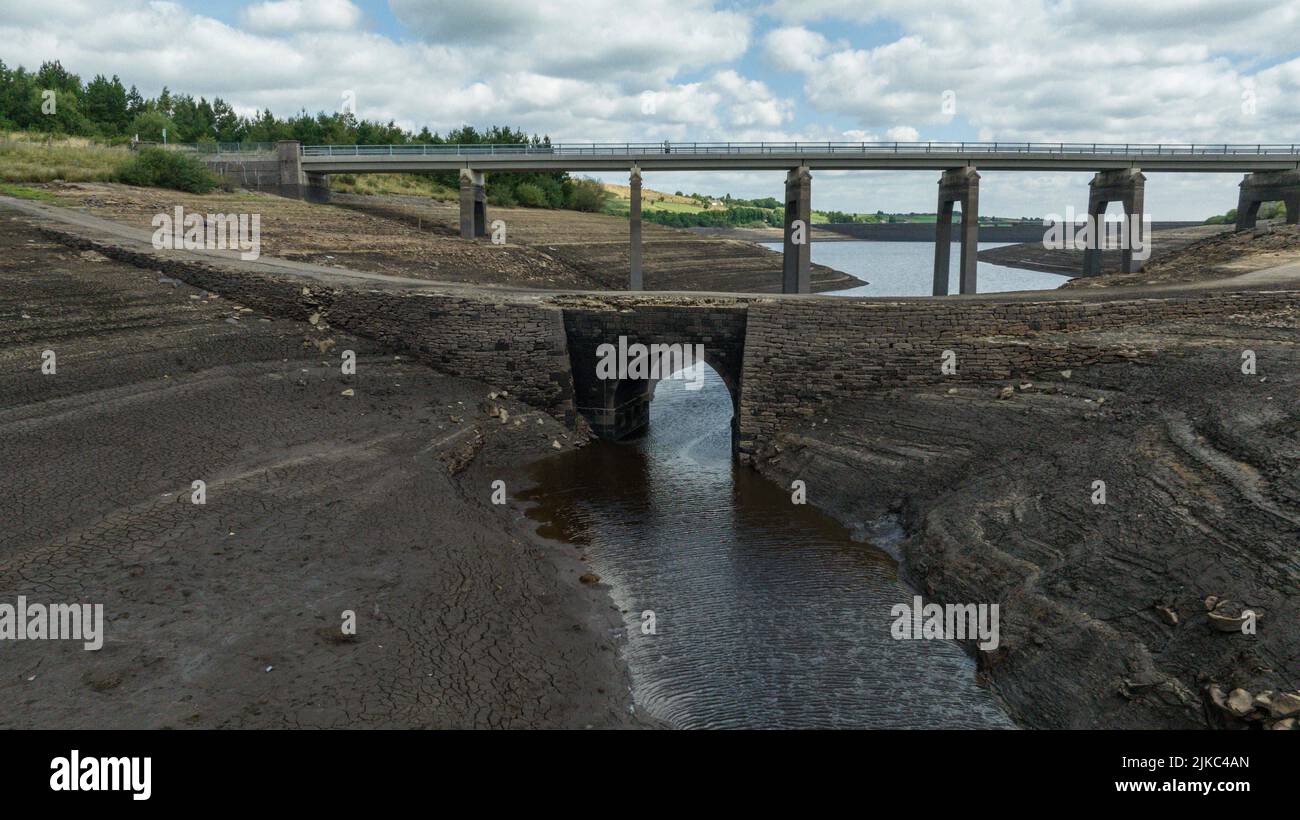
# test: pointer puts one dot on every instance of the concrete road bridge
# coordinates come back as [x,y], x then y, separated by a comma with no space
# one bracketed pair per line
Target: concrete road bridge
[1271,173]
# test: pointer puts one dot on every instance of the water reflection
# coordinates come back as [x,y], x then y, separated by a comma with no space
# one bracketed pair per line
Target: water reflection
[767,614]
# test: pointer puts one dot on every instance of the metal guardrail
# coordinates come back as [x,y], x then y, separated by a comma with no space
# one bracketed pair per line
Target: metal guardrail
[223,147]
[820,148]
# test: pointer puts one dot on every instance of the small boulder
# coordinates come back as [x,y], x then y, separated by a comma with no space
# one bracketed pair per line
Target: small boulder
[1284,705]
[1240,703]
[1168,615]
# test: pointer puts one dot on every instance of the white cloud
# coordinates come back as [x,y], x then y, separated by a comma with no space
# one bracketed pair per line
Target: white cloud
[1113,71]
[641,43]
[301,15]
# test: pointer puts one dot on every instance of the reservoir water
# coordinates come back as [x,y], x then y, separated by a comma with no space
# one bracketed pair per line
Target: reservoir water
[906,268]
[766,613]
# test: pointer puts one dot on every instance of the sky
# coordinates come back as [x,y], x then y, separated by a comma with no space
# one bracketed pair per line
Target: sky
[1175,71]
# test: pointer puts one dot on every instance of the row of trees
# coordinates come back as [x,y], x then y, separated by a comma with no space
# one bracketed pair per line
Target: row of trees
[737,217]
[1267,210]
[55,101]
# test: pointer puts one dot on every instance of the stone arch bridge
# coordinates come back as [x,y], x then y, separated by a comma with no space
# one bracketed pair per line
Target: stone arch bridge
[616,408]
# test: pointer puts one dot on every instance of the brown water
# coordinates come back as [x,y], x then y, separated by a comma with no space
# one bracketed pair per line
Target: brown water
[766,613]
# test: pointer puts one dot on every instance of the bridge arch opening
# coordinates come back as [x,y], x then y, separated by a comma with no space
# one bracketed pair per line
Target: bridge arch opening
[612,391]
[622,407]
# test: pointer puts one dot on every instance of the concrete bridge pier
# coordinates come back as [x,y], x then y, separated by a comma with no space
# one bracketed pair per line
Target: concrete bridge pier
[1268,186]
[635,280]
[473,204]
[957,185]
[1127,186]
[797,264]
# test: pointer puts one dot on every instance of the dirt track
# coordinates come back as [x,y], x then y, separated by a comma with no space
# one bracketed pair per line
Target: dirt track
[419,238]
[229,614]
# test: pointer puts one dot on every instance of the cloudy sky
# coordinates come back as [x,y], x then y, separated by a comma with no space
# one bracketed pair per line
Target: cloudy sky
[682,70]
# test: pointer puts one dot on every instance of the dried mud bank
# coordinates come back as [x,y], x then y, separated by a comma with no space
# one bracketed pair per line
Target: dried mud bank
[325,493]
[1104,609]
[1104,620]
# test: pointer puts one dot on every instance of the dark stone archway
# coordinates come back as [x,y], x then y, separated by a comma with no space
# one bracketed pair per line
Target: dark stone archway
[616,408]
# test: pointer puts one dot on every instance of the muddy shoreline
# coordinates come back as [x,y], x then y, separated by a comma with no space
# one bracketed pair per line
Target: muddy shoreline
[324,494]
[1104,621]
[1105,617]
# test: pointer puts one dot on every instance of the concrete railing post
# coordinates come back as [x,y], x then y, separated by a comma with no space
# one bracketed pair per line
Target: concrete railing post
[796,274]
[635,279]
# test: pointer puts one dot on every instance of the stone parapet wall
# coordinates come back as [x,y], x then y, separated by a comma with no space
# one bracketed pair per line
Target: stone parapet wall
[781,358]
[801,354]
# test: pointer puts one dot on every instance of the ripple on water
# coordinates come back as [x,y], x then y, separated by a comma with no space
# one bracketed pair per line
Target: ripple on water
[768,614]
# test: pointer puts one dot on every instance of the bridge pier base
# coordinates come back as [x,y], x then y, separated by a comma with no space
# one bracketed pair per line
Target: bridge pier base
[317,188]
[473,204]
[635,279]
[1268,186]
[1125,185]
[797,262]
[957,185]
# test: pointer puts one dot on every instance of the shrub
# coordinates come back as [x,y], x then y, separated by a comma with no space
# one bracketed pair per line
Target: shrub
[588,195]
[531,196]
[162,168]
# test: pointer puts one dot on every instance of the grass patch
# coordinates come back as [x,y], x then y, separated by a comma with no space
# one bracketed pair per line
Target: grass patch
[19,192]
[391,185]
[32,158]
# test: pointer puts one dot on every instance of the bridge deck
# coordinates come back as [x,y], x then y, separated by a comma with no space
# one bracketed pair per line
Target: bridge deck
[1220,158]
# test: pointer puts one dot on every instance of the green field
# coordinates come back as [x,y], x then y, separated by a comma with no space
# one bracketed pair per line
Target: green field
[33,158]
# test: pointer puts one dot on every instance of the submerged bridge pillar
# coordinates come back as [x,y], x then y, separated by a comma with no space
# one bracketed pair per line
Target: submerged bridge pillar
[635,280]
[1268,186]
[1127,186]
[473,204]
[957,185]
[797,264]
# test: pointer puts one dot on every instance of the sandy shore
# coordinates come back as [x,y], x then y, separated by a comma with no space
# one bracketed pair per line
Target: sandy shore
[318,503]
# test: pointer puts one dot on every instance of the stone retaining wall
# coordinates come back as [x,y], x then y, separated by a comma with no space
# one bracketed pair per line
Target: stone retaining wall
[518,347]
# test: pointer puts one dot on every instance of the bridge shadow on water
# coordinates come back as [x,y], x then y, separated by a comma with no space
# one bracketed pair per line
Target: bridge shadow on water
[766,613]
